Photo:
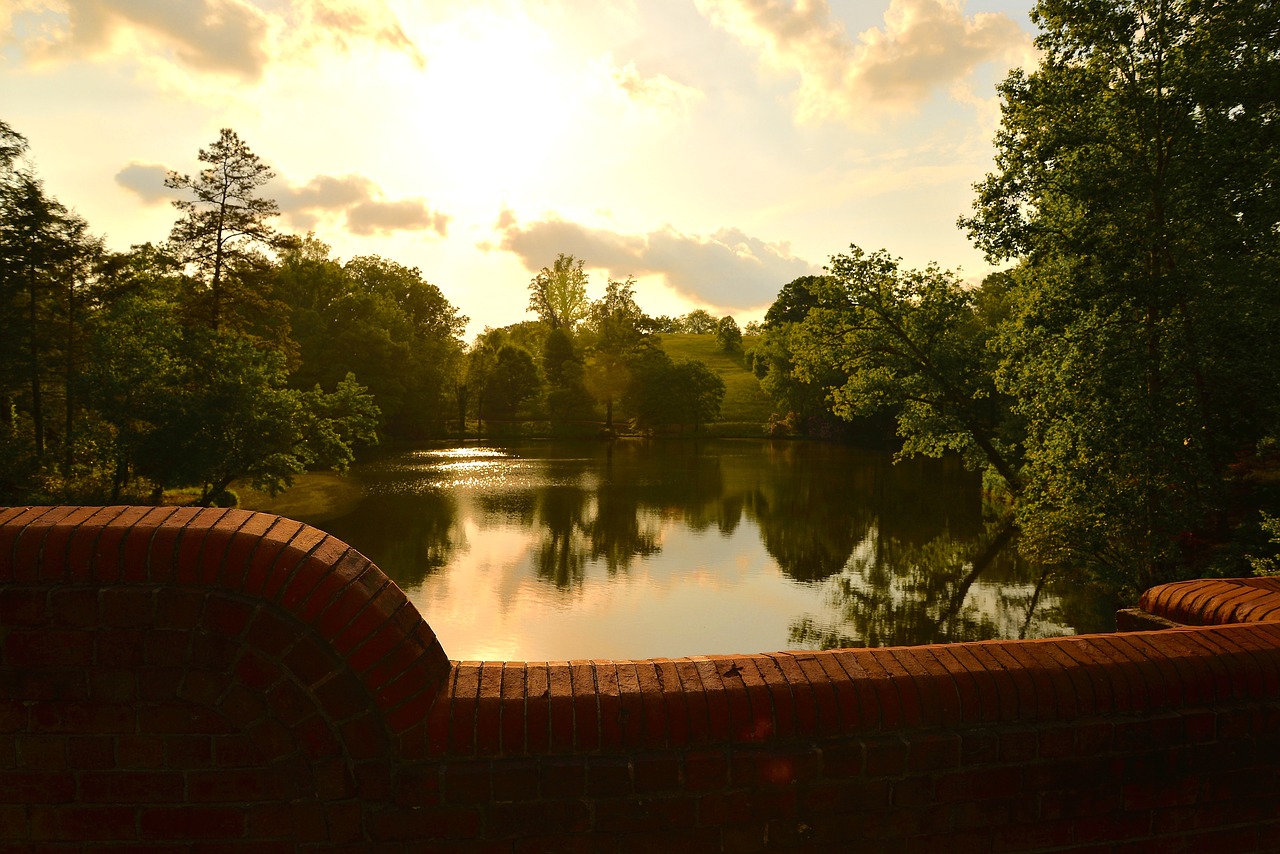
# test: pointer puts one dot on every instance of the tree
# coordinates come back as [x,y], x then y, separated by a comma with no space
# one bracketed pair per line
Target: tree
[513,381]
[911,341]
[728,335]
[622,331]
[379,320]
[1135,188]
[558,295]
[699,322]
[663,393]
[226,414]
[227,220]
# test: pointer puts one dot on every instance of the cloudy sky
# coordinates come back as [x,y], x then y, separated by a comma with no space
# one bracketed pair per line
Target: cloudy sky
[713,149]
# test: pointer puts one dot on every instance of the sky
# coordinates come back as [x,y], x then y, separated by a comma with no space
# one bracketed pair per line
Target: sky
[712,149]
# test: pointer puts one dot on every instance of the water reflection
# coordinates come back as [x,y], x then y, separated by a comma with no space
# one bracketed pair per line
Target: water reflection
[637,549]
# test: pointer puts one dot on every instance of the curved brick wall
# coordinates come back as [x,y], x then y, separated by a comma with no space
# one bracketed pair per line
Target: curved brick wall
[171,677]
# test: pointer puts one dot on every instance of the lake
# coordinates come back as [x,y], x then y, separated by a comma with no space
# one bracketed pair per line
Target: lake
[546,550]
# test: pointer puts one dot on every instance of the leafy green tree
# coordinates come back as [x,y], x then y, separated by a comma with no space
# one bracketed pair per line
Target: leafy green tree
[672,394]
[800,396]
[699,322]
[46,260]
[558,294]
[910,341]
[512,382]
[1135,188]
[621,332]
[379,320]
[227,415]
[728,335]
[226,222]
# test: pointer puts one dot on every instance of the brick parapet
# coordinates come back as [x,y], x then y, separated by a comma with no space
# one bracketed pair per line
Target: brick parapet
[174,677]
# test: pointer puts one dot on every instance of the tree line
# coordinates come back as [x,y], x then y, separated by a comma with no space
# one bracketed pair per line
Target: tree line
[231,351]
[1120,381]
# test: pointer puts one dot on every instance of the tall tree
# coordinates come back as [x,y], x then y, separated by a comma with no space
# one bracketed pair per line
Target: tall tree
[558,294]
[1135,187]
[910,341]
[226,221]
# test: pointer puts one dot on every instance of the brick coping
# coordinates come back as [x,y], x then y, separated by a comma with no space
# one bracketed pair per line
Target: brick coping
[443,708]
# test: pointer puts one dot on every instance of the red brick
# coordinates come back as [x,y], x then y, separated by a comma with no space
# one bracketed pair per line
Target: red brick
[509,820]
[586,708]
[179,718]
[369,657]
[608,777]
[380,611]
[204,823]
[82,717]
[563,776]
[162,547]
[653,704]
[879,705]
[309,660]
[885,756]
[656,772]
[268,550]
[93,752]
[418,825]
[720,726]
[411,713]
[560,707]
[516,779]
[803,702]
[243,533]
[637,815]
[41,752]
[189,751]
[30,606]
[514,677]
[489,710]
[610,705]
[139,751]
[38,787]
[631,705]
[82,823]
[342,612]
[36,648]
[438,724]
[706,769]
[462,718]
[131,787]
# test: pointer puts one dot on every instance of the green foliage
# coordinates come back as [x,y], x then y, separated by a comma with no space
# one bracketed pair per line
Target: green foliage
[698,322]
[728,335]
[379,320]
[558,294]
[1134,183]
[226,221]
[513,381]
[745,402]
[667,394]
[122,376]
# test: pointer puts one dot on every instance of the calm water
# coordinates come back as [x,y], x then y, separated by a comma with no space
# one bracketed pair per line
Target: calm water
[637,549]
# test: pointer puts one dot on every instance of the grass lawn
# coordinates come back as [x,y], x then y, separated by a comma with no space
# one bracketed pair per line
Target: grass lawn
[744,400]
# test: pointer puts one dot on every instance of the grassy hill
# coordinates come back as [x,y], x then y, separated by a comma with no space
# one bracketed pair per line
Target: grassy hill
[746,407]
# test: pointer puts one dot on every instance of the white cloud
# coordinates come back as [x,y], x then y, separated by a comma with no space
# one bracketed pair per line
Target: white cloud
[355,198]
[657,90]
[728,269]
[236,37]
[925,46]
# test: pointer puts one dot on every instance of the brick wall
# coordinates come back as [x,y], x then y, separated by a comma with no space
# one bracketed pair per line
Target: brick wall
[175,680]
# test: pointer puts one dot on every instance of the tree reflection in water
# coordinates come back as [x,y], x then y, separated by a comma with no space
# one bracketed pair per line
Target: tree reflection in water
[886,554]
